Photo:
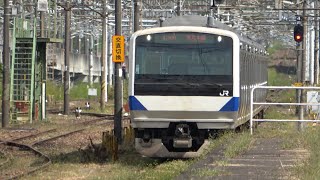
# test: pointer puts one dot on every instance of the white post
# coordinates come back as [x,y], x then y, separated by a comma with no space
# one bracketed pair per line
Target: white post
[251,110]
[110,73]
[106,61]
[91,60]
[44,101]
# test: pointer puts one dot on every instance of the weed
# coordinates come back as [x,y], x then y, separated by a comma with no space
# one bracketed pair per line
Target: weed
[238,145]
[221,163]
[205,172]
[309,139]
[80,90]
[278,79]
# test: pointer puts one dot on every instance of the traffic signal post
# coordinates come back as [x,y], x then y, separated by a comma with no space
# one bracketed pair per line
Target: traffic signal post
[298,33]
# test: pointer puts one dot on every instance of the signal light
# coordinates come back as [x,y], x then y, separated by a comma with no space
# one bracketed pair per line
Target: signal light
[298,33]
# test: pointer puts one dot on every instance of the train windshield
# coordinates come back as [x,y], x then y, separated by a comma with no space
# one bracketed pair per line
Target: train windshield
[183,58]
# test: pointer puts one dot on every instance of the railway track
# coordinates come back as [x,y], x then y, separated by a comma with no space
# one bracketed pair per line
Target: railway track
[29,142]
[6,160]
[57,137]
[69,133]
[55,111]
[32,160]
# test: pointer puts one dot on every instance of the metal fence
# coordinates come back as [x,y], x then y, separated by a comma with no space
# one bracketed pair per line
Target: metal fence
[252,103]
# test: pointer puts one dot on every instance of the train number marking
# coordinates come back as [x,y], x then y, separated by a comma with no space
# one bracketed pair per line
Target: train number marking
[224,93]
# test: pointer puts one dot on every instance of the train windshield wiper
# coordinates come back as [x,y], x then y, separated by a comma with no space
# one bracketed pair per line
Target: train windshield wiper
[215,84]
[200,84]
[163,78]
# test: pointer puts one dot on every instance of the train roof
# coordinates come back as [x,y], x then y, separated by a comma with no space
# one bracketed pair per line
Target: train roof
[205,21]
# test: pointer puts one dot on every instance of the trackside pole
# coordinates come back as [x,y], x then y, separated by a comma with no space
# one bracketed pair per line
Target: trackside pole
[251,110]
[118,58]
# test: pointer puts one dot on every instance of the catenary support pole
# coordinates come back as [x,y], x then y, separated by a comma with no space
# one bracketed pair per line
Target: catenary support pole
[42,19]
[178,8]
[67,57]
[103,97]
[6,67]
[316,47]
[118,80]
[136,16]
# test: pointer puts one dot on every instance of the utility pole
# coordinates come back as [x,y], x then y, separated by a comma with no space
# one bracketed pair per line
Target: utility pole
[316,48]
[103,97]
[118,81]
[67,10]
[42,18]
[136,16]
[6,67]
[178,7]
[104,50]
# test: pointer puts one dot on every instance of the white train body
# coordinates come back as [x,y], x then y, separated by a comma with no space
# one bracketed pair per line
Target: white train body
[187,82]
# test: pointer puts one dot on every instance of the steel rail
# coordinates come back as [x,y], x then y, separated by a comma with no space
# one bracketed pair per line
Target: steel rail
[36,152]
[7,158]
[57,137]
[34,135]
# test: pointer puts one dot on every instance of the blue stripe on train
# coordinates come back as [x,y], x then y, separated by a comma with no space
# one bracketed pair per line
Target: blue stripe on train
[231,105]
[135,104]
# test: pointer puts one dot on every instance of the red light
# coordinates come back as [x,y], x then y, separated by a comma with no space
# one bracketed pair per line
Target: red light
[298,37]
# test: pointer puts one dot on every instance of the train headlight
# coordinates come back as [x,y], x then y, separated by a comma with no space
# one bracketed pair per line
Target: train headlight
[149,38]
[219,38]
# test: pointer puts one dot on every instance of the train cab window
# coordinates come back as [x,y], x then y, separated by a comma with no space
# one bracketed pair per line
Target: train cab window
[178,65]
[167,63]
[187,53]
[153,64]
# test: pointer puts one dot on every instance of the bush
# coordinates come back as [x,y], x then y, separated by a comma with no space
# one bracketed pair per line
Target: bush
[80,91]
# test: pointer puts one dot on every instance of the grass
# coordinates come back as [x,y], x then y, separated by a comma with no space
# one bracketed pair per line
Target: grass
[129,166]
[240,143]
[279,79]
[206,172]
[309,139]
[80,90]
[73,165]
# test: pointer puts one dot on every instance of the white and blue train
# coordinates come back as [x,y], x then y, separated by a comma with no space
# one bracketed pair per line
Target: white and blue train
[189,79]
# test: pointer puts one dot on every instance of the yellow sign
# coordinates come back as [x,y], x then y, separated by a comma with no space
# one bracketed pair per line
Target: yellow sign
[118,49]
[298,84]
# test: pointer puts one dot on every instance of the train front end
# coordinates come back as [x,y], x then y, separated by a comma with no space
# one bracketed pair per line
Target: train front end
[184,85]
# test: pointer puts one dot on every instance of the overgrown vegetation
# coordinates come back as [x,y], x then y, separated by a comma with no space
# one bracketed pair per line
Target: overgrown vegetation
[206,172]
[279,79]
[240,143]
[79,91]
[275,46]
[310,140]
